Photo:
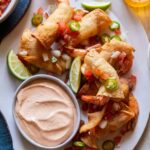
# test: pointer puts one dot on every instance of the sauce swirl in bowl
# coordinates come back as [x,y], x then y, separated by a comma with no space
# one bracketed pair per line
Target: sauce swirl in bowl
[46,112]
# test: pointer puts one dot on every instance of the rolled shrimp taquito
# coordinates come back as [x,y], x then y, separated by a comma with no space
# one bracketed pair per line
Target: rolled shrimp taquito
[46,33]
[103,71]
[91,25]
[119,54]
[32,52]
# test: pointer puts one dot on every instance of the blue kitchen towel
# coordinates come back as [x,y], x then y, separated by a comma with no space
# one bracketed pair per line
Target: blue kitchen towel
[14,18]
[5,137]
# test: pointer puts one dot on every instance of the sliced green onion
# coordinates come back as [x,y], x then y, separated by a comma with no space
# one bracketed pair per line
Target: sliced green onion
[111,84]
[37,19]
[108,145]
[105,38]
[114,25]
[53,59]
[116,37]
[74,26]
[79,144]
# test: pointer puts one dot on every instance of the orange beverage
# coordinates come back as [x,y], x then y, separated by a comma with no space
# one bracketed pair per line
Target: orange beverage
[138,3]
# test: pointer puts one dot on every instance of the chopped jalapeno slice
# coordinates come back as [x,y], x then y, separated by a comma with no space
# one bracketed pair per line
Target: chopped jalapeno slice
[111,84]
[74,26]
[114,25]
[53,59]
[79,144]
[105,38]
[108,145]
[37,19]
[116,37]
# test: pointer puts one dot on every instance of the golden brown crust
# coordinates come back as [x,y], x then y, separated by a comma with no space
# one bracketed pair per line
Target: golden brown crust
[47,32]
[35,52]
[91,25]
[114,45]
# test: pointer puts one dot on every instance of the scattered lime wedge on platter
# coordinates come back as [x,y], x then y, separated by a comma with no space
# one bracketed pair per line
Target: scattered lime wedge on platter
[104,5]
[75,74]
[16,67]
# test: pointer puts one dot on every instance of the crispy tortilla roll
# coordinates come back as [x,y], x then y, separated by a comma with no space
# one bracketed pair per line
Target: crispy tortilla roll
[35,52]
[101,69]
[47,32]
[113,50]
[114,45]
[91,24]
[125,115]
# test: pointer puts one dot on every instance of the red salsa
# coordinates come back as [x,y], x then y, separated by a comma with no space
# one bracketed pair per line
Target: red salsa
[3,5]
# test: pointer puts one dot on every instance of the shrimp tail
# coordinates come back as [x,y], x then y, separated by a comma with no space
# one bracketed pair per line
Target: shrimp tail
[97,100]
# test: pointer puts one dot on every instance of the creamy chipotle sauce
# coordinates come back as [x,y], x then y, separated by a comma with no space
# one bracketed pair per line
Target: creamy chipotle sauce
[46,112]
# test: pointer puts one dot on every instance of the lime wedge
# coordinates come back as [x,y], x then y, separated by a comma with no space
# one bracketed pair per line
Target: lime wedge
[94,5]
[16,67]
[75,74]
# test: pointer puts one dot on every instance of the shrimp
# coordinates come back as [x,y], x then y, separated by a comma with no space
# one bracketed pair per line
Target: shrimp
[102,70]
[119,54]
[127,113]
[88,89]
[74,52]
[97,100]
[35,51]
[47,33]
[91,25]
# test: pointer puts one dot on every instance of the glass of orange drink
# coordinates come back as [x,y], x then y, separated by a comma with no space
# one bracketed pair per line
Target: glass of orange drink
[138,3]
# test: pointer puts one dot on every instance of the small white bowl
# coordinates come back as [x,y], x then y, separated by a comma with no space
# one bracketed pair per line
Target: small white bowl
[67,89]
[8,10]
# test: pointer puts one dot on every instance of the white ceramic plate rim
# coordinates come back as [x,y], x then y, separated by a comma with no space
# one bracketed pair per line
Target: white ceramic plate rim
[131,24]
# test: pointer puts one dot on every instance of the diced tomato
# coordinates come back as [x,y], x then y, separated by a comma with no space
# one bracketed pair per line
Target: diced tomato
[73,34]
[88,74]
[40,11]
[67,30]
[117,139]
[117,31]
[62,27]
[77,17]
[132,81]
